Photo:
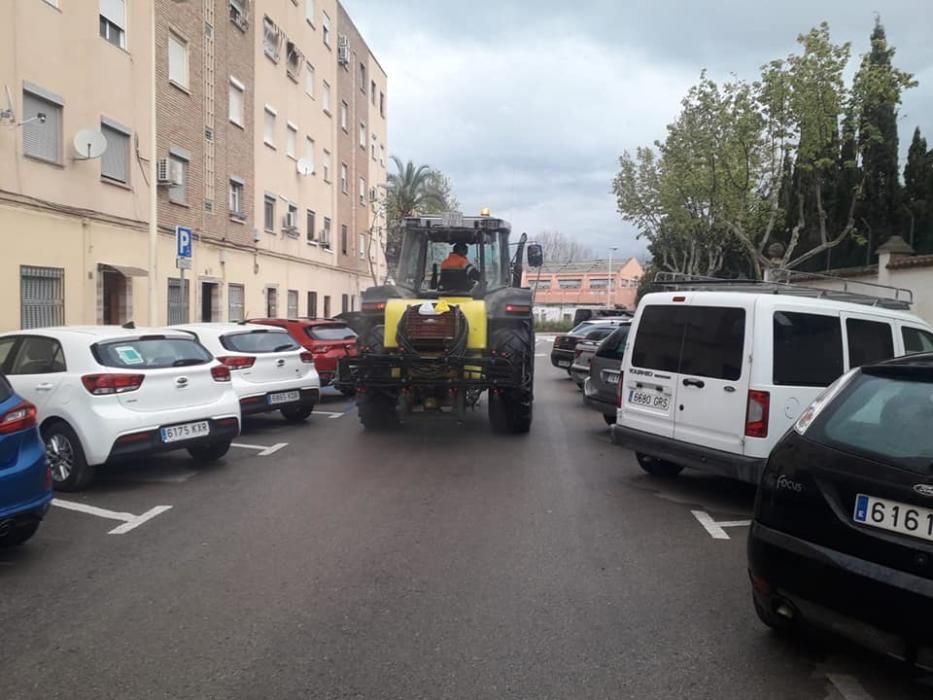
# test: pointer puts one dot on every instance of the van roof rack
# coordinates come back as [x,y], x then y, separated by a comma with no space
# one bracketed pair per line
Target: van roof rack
[790,282]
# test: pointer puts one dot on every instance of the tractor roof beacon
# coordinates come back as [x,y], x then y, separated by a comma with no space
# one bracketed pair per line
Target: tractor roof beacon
[449,328]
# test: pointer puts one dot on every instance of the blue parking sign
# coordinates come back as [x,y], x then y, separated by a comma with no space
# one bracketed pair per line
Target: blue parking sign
[183,239]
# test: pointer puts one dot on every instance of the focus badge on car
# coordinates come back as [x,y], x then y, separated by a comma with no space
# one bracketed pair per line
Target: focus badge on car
[924,489]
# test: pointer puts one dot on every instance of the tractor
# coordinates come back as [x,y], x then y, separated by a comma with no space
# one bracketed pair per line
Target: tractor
[438,337]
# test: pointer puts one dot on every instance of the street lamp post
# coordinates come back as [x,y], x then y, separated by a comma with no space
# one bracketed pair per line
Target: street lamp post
[609,290]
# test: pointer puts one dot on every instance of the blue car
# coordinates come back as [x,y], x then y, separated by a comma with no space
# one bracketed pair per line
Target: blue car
[25,480]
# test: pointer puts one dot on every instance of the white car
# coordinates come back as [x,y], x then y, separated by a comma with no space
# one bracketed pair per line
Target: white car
[104,393]
[271,372]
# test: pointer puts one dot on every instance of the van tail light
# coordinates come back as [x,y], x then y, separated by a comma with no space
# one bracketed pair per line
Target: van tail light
[235,362]
[20,417]
[757,413]
[307,358]
[620,392]
[106,384]
[221,373]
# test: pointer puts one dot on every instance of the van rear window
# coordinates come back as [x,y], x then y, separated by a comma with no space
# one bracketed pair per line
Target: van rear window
[807,349]
[704,341]
[869,342]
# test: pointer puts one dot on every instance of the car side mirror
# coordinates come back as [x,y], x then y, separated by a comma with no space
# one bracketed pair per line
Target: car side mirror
[535,255]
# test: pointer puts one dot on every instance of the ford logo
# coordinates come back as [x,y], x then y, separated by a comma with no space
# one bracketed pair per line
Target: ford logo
[924,489]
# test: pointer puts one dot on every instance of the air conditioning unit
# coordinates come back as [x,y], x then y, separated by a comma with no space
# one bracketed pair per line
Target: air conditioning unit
[238,215]
[343,50]
[162,172]
[288,222]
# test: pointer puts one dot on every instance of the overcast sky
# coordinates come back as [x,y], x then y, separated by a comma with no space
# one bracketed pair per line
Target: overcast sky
[527,104]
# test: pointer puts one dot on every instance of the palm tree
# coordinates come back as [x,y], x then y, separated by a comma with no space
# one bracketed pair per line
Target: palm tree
[410,191]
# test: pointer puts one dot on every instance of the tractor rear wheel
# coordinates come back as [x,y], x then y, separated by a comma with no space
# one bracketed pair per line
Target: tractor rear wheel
[510,410]
[377,411]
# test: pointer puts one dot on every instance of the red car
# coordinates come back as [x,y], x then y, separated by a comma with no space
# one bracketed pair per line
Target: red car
[328,340]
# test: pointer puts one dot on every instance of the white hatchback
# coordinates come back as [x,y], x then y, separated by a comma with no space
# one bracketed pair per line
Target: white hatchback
[105,393]
[271,372]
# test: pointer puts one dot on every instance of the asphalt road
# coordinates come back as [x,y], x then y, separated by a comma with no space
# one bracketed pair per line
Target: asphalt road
[437,561]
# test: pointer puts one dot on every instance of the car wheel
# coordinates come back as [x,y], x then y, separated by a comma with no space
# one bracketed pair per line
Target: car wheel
[348,392]
[658,467]
[610,420]
[17,535]
[297,414]
[209,453]
[70,470]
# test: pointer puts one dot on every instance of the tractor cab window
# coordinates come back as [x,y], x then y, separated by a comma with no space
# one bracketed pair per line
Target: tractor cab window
[431,266]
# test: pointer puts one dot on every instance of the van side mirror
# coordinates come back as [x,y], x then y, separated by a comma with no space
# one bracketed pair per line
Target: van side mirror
[535,255]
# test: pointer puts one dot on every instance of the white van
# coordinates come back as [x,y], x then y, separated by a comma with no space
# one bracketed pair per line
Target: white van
[712,379]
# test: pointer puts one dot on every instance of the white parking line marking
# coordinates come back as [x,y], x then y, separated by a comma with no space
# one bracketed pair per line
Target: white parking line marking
[332,414]
[848,686]
[715,529]
[263,450]
[130,521]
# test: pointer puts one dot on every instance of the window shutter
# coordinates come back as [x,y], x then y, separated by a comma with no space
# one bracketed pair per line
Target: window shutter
[115,11]
[114,162]
[42,140]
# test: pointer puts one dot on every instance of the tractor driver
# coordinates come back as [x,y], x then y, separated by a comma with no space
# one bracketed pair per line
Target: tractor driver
[457,260]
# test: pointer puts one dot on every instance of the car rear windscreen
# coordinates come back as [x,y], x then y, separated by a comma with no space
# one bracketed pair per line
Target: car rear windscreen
[807,349]
[613,347]
[334,332]
[155,352]
[882,417]
[257,342]
[703,341]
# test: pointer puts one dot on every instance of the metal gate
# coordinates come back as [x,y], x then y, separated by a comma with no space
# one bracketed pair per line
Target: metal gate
[42,296]
[177,302]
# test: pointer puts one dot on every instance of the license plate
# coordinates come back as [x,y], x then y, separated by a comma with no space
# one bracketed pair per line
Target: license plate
[612,377]
[894,516]
[284,397]
[186,431]
[649,399]
[563,363]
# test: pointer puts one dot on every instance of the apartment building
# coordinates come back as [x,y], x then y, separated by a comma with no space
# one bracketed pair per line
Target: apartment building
[561,288]
[246,114]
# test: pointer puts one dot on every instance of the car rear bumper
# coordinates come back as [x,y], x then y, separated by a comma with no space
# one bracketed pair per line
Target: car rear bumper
[27,511]
[579,373]
[883,608]
[560,355]
[705,459]
[222,429]
[259,403]
[607,408]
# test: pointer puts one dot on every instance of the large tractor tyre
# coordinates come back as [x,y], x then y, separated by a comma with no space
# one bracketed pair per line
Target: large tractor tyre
[517,343]
[511,411]
[377,411]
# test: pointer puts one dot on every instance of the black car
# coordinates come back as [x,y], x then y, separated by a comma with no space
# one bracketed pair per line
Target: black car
[562,353]
[600,389]
[843,530]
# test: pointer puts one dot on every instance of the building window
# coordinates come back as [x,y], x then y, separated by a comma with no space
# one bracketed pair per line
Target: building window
[363,135]
[344,303]
[237,104]
[235,302]
[372,92]
[272,302]
[178,168]
[362,246]
[325,99]
[177,60]
[268,126]
[569,284]
[309,11]
[326,306]
[113,22]
[374,149]
[309,152]
[382,105]
[326,165]
[177,301]
[236,198]
[291,220]
[309,79]
[42,132]
[42,296]
[382,154]
[599,284]
[363,78]
[239,13]
[268,212]
[271,39]
[325,239]
[294,60]
[325,29]
[312,304]
[362,192]
[293,303]
[291,141]
[344,185]
[115,163]
[344,115]
[312,232]
[344,239]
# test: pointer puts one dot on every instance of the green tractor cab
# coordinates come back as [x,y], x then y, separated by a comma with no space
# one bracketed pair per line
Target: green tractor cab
[455,323]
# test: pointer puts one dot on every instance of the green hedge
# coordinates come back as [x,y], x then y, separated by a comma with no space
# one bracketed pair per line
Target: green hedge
[553,326]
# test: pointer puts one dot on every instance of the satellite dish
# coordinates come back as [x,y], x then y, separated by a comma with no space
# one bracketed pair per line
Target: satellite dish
[90,143]
[304,167]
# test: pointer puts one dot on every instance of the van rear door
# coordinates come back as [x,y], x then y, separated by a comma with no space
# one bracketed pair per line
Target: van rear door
[713,377]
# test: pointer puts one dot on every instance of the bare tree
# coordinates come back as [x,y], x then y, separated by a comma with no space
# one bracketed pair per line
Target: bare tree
[559,248]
